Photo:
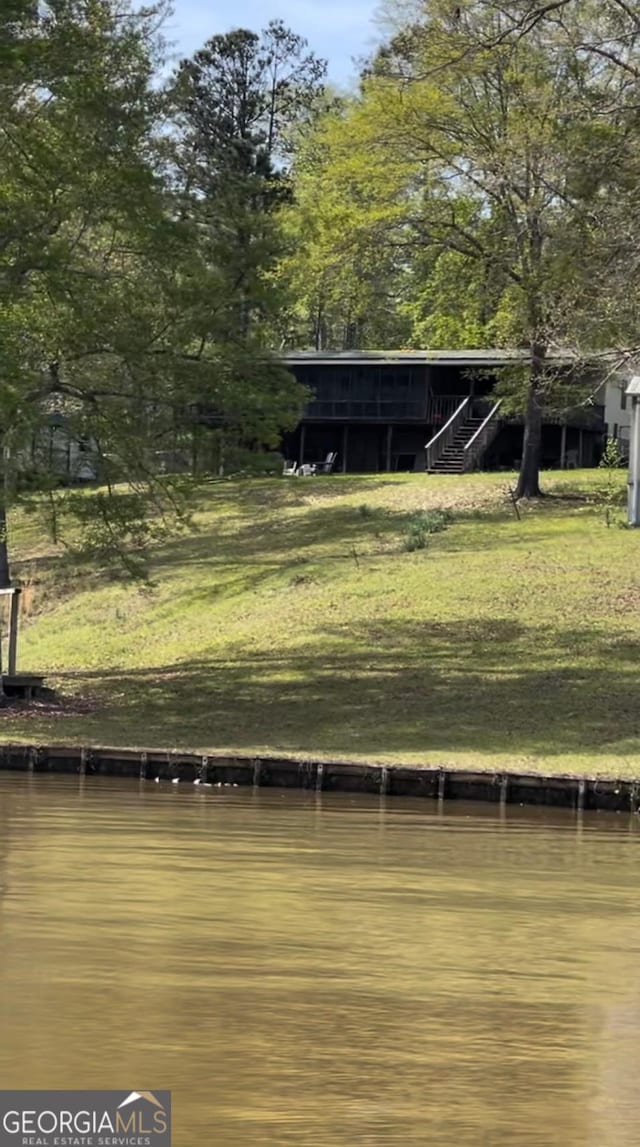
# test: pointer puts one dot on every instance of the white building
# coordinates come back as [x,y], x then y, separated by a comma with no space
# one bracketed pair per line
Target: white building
[617,413]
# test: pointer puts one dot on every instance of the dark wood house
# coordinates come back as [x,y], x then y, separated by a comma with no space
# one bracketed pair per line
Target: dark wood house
[417,410]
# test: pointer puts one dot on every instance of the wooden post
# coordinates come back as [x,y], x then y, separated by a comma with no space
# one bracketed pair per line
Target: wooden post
[388,455]
[13,632]
[563,446]
[221,459]
[345,440]
[633,391]
[302,438]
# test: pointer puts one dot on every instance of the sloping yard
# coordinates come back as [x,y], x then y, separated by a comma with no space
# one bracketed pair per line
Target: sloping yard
[297,620]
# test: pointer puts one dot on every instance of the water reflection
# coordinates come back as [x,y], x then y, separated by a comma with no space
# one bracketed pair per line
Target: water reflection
[323,971]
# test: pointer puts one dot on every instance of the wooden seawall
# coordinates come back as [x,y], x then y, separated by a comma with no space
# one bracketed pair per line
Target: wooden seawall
[328,776]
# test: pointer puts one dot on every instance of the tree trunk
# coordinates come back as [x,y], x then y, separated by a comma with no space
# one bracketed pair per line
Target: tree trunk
[5,571]
[194,451]
[529,477]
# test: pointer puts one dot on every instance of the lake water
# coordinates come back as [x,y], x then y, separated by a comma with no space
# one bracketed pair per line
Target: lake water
[323,971]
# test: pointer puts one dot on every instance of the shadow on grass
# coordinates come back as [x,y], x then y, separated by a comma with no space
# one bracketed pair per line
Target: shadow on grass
[262,536]
[281,530]
[282,493]
[278,540]
[384,691]
[332,532]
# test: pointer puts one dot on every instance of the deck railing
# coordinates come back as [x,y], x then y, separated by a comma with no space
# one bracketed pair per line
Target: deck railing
[444,437]
[482,439]
[440,407]
[432,409]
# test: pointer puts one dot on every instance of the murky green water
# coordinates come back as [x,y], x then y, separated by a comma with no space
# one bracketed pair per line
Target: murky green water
[323,972]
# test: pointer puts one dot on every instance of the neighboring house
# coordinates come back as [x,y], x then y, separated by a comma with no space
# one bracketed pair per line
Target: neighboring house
[53,450]
[417,410]
[617,414]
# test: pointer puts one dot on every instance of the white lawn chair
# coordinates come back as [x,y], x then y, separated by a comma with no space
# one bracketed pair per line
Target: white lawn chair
[290,469]
[327,466]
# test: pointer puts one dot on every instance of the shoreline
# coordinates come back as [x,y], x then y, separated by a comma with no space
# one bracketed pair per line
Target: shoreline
[504,787]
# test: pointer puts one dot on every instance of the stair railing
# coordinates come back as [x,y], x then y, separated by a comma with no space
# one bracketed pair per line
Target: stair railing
[481,440]
[438,444]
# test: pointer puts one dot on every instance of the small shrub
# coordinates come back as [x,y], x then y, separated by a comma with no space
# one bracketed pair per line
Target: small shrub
[430,521]
[610,490]
[434,521]
[415,538]
[423,523]
[366,511]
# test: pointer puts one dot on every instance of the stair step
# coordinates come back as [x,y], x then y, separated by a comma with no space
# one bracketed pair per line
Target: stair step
[454,456]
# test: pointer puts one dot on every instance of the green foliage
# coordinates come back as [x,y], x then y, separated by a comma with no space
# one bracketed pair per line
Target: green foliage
[609,491]
[611,456]
[114,529]
[139,231]
[237,101]
[87,246]
[344,286]
[415,538]
[422,524]
[156,242]
[366,511]
[434,521]
[471,190]
[252,463]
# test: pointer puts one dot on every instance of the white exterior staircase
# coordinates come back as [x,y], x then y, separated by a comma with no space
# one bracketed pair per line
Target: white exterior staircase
[463,441]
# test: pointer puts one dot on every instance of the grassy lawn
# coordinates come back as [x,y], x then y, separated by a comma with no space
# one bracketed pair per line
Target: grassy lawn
[295,621]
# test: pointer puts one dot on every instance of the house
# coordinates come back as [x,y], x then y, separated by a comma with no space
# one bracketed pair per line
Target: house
[617,413]
[54,450]
[400,411]
[435,410]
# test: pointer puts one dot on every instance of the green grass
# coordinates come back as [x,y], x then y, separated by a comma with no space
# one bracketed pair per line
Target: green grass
[297,621]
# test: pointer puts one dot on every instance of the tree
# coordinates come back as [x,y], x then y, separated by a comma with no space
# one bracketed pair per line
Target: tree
[115,297]
[472,140]
[340,296]
[80,209]
[236,106]
[239,100]
[344,289]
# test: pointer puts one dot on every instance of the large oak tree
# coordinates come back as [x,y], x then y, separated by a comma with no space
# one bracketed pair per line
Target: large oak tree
[482,137]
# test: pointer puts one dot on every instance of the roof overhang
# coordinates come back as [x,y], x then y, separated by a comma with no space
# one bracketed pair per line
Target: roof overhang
[465,358]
